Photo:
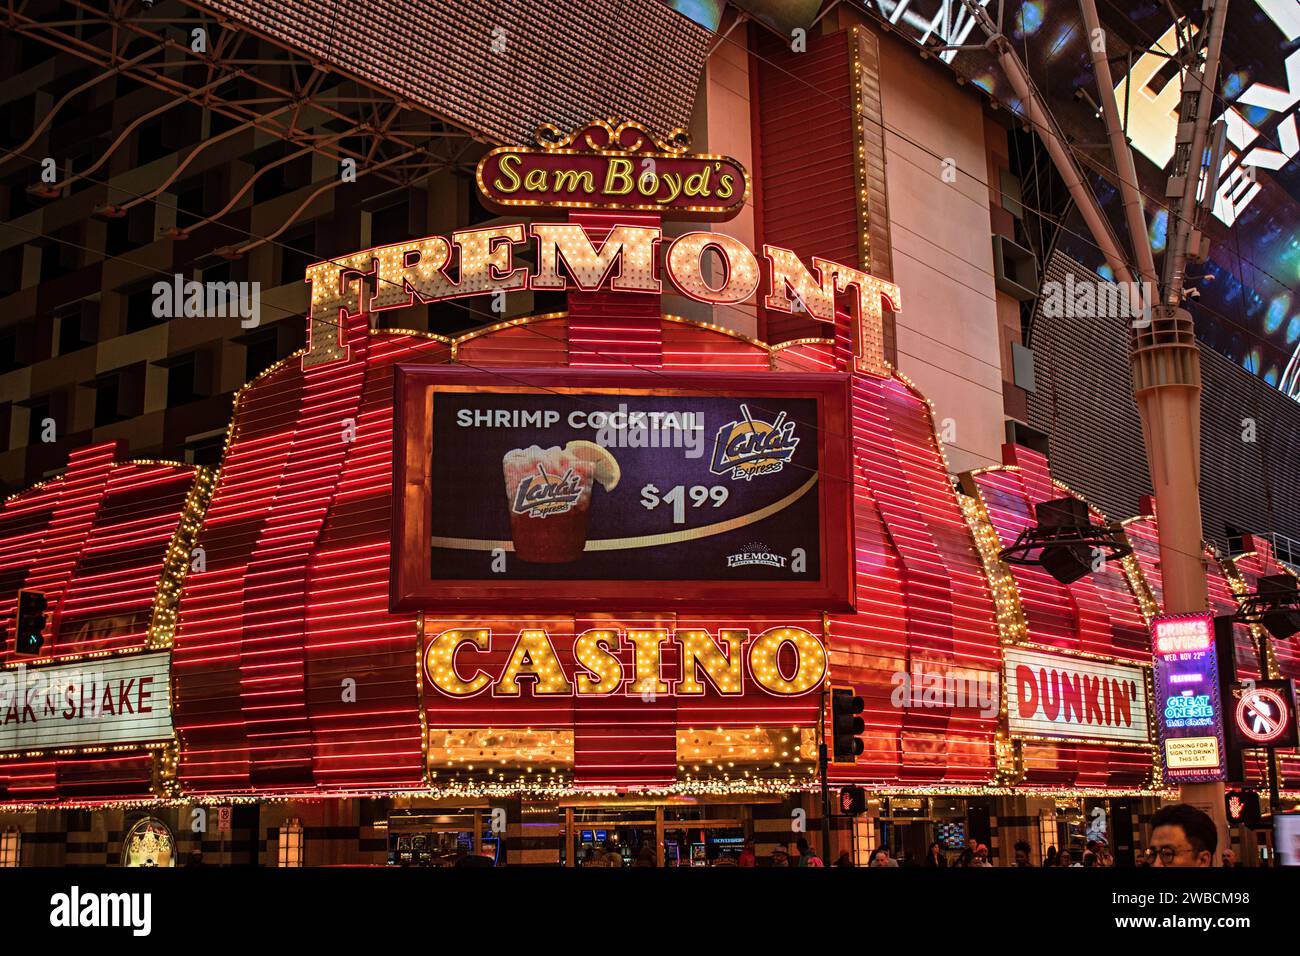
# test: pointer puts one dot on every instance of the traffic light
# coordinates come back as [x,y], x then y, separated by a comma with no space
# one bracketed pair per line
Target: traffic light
[853,801]
[1242,807]
[846,744]
[30,623]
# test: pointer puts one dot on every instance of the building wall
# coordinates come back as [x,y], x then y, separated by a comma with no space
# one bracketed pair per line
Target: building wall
[948,332]
[721,124]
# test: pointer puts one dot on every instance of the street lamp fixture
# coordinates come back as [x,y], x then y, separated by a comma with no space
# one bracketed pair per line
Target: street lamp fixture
[1275,604]
[1065,543]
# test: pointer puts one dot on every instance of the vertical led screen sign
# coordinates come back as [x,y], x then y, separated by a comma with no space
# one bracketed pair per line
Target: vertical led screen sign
[1189,710]
[605,489]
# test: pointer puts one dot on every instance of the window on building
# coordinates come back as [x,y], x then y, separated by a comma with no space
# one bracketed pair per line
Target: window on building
[21,118]
[41,409]
[265,346]
[290,844]
[189,204]
[119,395]
[297,252]
[189,377]
[153,140]
[61,254]
[130,231]
[139,307]
[261,351]
[10,847]
[390,224]
[15,201]
[220,293]
[205,449]
[77,324]
[108,393]
[10,350]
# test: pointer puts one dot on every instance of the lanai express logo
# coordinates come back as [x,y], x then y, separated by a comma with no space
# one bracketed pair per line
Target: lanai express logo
[747,446]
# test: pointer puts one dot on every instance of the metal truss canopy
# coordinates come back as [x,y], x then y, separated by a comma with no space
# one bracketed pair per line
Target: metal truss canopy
[291,96]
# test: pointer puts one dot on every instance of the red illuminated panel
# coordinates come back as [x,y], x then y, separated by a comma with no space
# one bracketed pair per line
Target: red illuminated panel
[1257,561]
[1098,614]
[806,197]
[685,348]
[111,603]
[293,674]
[350,634]
[206,659]
[94,542]
[292,603]
[614,329]
[539,342]
[624,740]
[49,563]
[1085,765]
[91,777]
[923,602]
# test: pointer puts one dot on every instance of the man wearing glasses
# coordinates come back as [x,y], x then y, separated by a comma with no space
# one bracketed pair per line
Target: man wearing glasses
[1182,835]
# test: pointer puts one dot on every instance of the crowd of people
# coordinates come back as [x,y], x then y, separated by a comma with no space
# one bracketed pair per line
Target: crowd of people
[1181,836]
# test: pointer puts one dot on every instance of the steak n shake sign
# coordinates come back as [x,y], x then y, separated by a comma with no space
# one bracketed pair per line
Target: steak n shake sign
[89,703]
[1053,694]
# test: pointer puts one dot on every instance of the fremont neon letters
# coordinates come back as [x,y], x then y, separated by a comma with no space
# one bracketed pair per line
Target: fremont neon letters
[627,260]
[704,663]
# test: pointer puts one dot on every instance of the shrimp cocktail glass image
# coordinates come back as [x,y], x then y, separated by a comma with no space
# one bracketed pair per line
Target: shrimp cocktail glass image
[548,491]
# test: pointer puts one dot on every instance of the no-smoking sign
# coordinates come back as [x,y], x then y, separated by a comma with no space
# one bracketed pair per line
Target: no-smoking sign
[1264,715]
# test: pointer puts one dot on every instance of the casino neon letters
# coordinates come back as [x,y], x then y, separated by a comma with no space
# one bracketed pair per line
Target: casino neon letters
[783,661]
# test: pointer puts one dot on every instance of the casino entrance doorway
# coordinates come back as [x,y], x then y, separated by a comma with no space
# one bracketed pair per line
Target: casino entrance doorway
[679,835]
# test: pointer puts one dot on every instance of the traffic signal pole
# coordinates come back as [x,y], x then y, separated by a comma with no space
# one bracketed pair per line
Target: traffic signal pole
[1165,361]
[826,807]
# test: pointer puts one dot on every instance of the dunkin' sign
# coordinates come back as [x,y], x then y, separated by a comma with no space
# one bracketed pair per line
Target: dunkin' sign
[1054,694]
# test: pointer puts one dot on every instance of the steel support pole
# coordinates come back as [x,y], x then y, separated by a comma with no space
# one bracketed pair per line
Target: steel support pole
[1165,356]
[1121,152]
[1187,165]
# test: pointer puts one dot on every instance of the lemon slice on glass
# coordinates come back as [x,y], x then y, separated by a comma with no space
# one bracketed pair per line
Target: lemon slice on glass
[604,467]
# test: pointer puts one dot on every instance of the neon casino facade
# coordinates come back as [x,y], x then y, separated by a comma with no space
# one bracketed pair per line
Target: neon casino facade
[364,655]
[324,666]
